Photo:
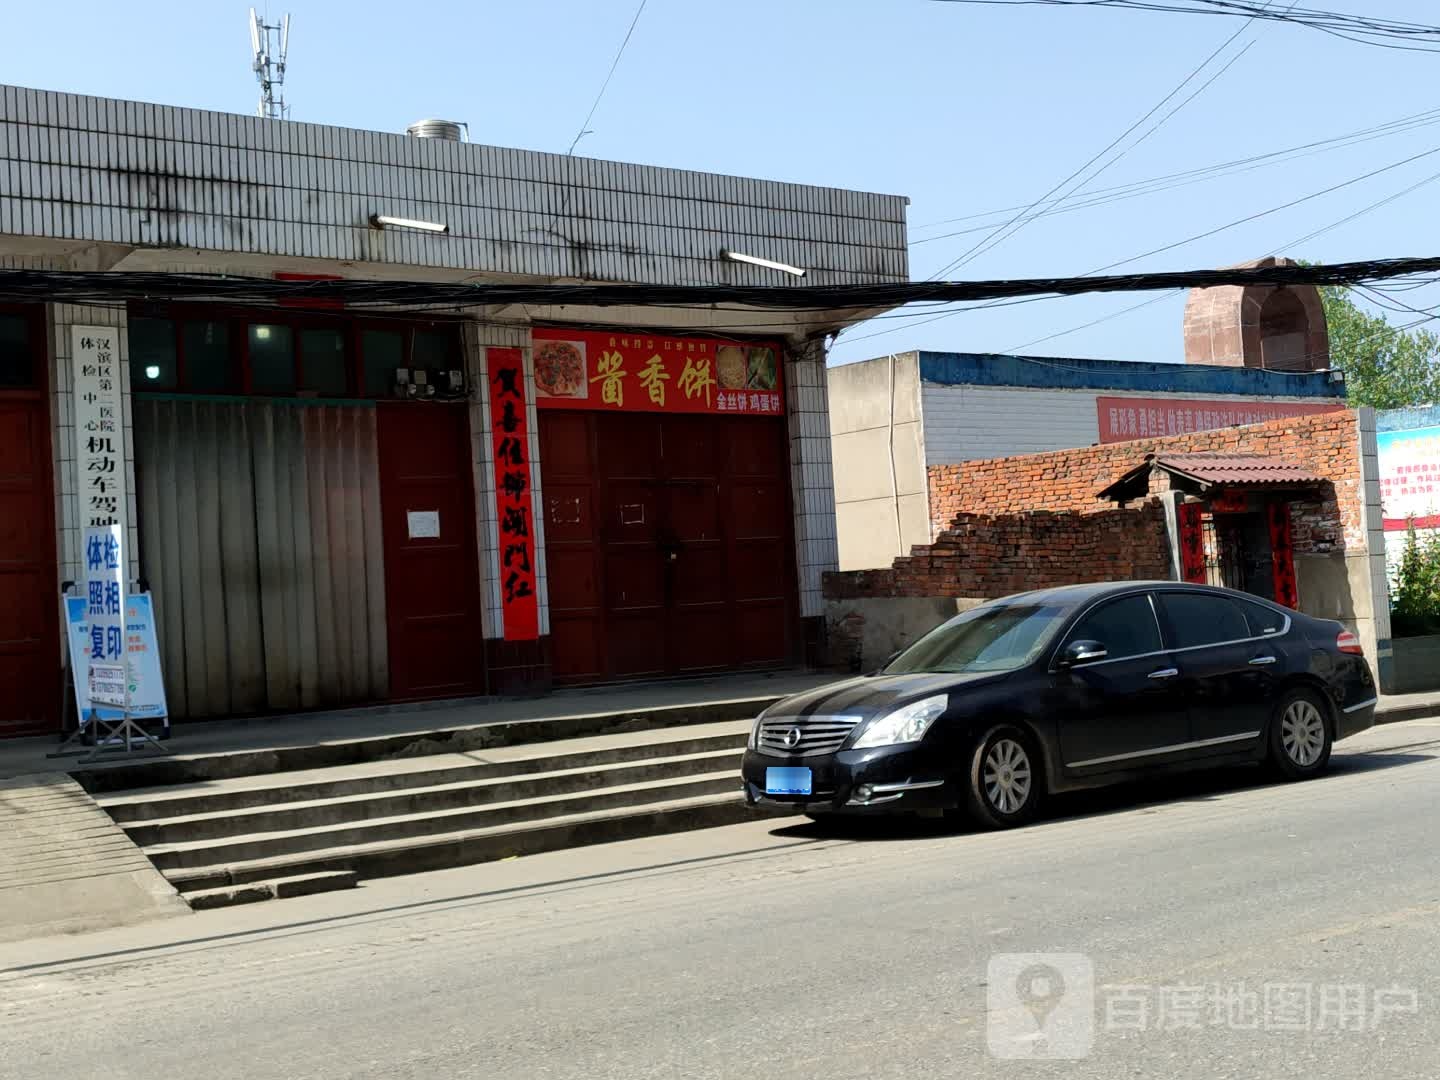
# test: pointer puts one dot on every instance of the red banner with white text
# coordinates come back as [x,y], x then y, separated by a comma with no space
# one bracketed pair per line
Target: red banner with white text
[1125,418]
[637,371]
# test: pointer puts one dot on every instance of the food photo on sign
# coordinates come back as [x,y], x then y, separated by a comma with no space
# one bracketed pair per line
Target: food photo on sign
[560,370]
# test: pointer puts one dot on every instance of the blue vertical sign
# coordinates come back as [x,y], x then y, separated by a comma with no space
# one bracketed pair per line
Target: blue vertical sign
[105,615]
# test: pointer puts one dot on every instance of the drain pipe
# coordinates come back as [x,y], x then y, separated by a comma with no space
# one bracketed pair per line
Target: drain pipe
[1171,501]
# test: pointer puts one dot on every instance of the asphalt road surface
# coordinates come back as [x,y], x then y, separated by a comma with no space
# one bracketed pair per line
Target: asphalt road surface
[1216,926]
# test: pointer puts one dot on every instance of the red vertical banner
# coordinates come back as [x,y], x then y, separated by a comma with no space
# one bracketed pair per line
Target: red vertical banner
[1192,543]
[1282,551]
[509,437]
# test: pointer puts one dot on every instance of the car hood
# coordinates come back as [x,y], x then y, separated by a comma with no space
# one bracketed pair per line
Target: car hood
[873,694]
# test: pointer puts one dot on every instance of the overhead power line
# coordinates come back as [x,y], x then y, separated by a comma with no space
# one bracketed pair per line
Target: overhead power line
[1291,246]
[585,124]
[1272,210]
[87,286]
[1365,29]
[1185,178]
[1020,220]
[1197,236]
[1094,322]
[1201,235]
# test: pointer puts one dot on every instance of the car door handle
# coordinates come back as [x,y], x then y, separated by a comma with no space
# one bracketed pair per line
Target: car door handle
[1165,673]
[1261,661]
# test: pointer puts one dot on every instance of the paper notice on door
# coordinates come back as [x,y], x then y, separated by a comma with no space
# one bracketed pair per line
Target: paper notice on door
[423,524]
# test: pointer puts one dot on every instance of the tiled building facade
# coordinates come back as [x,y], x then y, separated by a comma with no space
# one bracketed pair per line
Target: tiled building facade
[114,186]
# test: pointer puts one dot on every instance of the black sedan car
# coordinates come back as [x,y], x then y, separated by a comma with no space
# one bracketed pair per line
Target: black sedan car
[1063,689]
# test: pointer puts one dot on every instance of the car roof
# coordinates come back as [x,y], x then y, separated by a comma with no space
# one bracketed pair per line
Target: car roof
[1073,595]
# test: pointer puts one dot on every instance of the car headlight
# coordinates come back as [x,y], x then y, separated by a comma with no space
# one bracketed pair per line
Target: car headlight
[906,724]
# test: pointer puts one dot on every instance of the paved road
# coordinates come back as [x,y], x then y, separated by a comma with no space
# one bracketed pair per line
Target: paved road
[766,951]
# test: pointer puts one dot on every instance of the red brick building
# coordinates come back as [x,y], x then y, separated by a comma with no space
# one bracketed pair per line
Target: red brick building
[1287,509]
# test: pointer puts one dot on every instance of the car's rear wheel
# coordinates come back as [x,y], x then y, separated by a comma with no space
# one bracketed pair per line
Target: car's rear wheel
[1300,735]
[1005,783]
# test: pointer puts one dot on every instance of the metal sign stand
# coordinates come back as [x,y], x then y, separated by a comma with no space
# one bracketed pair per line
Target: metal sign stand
[109,733]
[121,736]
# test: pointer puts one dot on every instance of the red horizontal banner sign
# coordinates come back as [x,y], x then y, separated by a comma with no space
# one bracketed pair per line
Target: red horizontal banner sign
[644,372]
[1124,418]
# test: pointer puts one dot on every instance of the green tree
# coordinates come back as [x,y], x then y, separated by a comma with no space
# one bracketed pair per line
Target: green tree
[1415,604]
[1388,367]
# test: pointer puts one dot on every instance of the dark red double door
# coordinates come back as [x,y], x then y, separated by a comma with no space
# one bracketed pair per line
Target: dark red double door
[667,544]
[29,594]
[432,590]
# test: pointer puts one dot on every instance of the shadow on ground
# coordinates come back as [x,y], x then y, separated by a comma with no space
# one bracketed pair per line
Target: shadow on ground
[1145,796]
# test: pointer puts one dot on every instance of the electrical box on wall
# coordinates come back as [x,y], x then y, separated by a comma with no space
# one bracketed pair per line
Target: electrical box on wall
[426,384]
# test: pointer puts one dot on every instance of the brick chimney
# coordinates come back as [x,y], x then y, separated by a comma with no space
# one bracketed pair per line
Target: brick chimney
[1280,328]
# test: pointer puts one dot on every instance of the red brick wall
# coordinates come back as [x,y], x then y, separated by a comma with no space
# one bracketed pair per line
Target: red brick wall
[1068,480]
[988,556]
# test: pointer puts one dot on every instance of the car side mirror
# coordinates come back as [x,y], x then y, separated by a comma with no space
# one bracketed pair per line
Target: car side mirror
[1082,652]
[887,662]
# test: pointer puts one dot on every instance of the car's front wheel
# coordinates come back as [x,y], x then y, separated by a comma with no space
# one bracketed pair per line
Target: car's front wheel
[1300,736]
[1005,782]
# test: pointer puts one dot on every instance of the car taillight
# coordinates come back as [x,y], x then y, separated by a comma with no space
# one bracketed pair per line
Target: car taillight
[1349,643]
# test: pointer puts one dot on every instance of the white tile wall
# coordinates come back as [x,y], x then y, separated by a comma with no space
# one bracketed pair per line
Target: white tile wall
[969,423]
[811,479]
[67,517]
[517,336]
[1373,519]
[75,167]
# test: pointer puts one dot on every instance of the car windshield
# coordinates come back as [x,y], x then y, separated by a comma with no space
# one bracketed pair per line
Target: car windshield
[994,637]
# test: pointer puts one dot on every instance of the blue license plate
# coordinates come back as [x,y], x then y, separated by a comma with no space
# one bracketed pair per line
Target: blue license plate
[787,782]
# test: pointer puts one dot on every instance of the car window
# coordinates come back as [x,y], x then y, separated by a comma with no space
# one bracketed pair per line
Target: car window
[1126,627]
[992,637]
[1197,619]
[1261,619]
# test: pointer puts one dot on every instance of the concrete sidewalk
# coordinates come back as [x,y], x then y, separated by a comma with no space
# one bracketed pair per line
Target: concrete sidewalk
[1394,708]
[305,740]
[621,707]
[65,866]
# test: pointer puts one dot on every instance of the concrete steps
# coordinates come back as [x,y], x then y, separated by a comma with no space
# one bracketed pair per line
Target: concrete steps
[294,751]
[401,774]
[255,891]
[259,837]
[485,796]
[440,851]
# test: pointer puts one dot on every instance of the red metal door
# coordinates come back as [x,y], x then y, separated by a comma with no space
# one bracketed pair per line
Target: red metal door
[629,452]
[761,555]
[670,554]
[29,589]
[432,589]
[572,555]
[694,555]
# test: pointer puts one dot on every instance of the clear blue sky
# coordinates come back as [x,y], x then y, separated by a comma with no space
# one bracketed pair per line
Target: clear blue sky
[964,109]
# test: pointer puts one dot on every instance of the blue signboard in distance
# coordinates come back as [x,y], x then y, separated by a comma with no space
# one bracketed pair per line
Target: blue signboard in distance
[147,687]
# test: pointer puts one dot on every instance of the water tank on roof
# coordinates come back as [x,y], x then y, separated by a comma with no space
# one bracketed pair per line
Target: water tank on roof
[435,129]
